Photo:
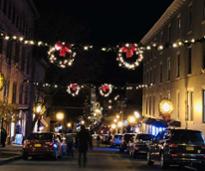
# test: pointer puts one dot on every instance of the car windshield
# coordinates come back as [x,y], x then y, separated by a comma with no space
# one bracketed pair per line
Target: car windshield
[144,137]
[43,136]
[187,137]
[127,137]
[118,136]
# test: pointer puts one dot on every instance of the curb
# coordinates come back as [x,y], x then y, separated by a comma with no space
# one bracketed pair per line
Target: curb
[4,161]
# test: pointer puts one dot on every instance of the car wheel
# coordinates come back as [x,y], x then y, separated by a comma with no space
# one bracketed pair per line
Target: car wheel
[163,162]
[149,161]
[25,156]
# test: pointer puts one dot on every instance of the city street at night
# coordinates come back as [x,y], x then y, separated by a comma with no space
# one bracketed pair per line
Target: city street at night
[102,85]
[100,159]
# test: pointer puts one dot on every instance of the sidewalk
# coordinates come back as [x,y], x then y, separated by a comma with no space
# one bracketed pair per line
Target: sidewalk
[10,153]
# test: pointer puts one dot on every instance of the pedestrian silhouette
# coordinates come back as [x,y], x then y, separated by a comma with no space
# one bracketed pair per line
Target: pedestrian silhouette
[3,137]
[83,141]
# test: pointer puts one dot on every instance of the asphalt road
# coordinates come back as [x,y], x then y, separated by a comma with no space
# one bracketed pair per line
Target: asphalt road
[99,159]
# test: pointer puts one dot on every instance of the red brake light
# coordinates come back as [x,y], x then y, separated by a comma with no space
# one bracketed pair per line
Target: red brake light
[173,145]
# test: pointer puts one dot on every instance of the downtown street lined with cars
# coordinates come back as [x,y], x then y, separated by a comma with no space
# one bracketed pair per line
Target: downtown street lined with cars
[169,149]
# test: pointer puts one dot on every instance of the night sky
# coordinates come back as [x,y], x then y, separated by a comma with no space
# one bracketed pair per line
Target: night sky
[99,23]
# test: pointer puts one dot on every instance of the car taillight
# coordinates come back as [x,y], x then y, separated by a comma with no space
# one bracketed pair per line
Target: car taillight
[50,144]
[173,145]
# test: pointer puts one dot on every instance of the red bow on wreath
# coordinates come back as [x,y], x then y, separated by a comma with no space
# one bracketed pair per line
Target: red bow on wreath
[130,50]
[105,88]
[74,87]
[62,48]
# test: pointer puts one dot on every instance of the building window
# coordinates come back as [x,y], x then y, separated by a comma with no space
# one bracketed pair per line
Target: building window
[179,23]
[6,90]
[1,46]
[23,56]
[9,51]
[178,105]
[9,10]
[153,101]
[203,101]
[168,69]
[153,75]
[160,73]
[169,33]
[17,52]
[189,61]
[146,105]
[5,3]
[203,56]
[21,94]
[150,105]
[190,17]
[190,116]
[178,65]
[26,95]
[204,9]
[28,65]
[14,93]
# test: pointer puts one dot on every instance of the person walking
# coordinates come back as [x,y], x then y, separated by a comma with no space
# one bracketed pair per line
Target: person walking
[83,141]
[3,136]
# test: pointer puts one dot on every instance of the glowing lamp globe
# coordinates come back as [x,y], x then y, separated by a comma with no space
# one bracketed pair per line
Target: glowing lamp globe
[166,107]
[69,125]
[131,119]
[113,126]
[60,116]
[120,124]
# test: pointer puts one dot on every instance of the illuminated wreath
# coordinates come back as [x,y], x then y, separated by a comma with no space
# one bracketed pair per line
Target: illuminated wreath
[129,56]
[105,90]
[61,54]
[73,89]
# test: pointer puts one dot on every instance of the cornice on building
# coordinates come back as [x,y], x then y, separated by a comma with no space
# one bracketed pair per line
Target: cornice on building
[171,10]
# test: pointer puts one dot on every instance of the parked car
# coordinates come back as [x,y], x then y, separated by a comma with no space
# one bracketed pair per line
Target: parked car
[43,145]
[126,138]
[117,140]
[177,147]
[140,145]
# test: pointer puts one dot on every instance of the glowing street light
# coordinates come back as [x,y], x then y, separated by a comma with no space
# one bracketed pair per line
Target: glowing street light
[118,116]
[137,114]
[166,107]
[113,126]
[69,125]
[131,119]
[115,120]
[120,124]
[82,122]
[60,116]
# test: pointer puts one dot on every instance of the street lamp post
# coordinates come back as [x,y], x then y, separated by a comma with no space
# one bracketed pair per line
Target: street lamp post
[60,117]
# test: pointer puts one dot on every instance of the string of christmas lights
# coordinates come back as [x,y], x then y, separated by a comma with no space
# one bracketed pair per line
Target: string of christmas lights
[129,55]
[22,40]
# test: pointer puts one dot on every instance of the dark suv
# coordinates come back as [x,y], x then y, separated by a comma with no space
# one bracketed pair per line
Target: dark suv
[181,147]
